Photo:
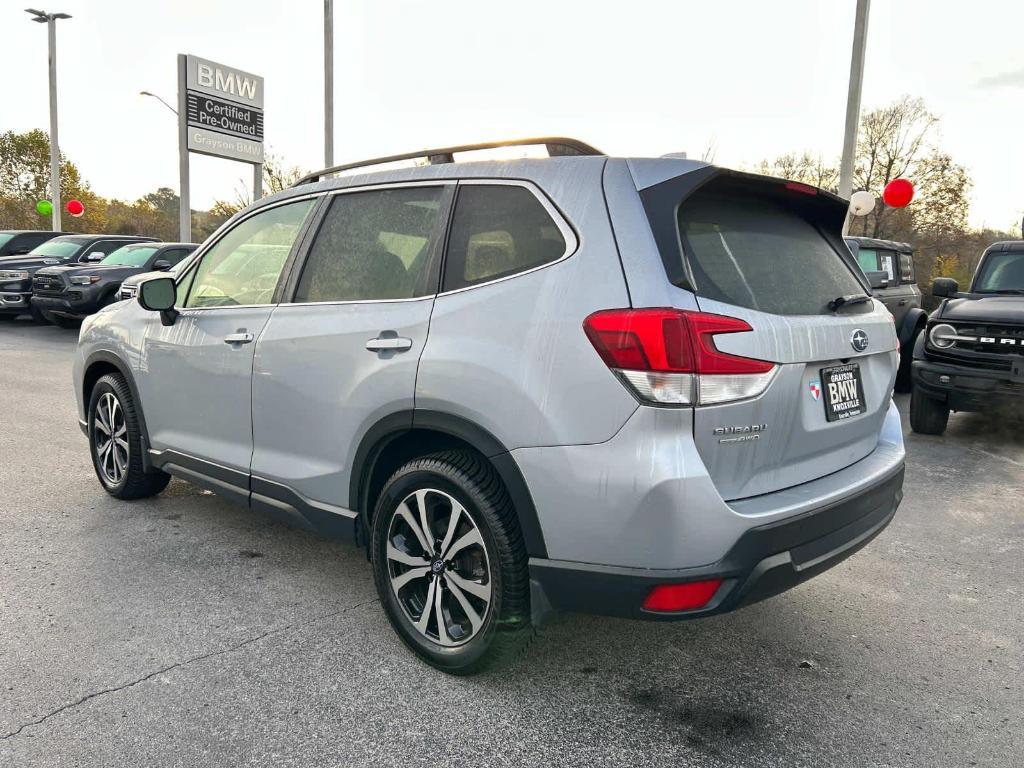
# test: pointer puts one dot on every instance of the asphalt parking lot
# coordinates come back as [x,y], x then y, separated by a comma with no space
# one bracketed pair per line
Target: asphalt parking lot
[183,630]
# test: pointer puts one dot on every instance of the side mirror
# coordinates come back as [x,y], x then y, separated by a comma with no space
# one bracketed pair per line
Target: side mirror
[158,295]
[878,279]
[945,287]
[96,256]
[161,265]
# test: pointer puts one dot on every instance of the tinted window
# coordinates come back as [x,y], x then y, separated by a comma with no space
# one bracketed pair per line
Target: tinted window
[1001,272]
[243,267]
[173,255]
[4,237]
[374,245]
[498,230]
[757,253]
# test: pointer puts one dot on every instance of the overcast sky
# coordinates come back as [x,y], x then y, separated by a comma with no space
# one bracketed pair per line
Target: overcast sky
[754,79]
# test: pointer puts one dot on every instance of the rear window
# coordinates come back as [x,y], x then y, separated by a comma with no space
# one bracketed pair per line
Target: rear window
[761,254]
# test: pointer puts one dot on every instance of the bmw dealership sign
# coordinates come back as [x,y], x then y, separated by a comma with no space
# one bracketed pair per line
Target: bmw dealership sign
[224,110]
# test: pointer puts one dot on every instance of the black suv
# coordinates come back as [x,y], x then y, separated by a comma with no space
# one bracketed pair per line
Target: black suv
[16,271]
[66,294]
[889,268]
[16,242]
[972,357]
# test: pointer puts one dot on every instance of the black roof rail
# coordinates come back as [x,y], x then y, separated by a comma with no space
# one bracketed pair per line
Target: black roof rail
[557,146]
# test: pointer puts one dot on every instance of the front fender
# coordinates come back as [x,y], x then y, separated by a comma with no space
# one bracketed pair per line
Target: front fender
[912,321]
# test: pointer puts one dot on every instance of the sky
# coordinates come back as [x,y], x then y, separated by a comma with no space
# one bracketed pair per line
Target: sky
[747,78]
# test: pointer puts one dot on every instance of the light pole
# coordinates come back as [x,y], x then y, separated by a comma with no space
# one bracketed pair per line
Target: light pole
[860,36]
[50,19]
[328,83]
[147,93]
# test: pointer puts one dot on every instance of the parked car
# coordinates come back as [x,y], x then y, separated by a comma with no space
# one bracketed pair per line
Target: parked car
[889,267]
[972,356]
[17,242]
[16,272]
[67,293]
[130,285]
[650,388]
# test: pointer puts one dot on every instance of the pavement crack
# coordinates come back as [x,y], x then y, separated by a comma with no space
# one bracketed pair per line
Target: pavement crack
[177,664]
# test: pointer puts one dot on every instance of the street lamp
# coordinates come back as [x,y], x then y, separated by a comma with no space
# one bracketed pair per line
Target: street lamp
[50,19]
[147,93]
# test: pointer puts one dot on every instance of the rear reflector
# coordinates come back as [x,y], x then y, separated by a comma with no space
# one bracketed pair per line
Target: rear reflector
[681,597]
[668,356]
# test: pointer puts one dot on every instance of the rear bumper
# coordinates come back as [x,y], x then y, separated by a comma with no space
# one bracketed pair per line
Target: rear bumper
[968,389]
[764,561]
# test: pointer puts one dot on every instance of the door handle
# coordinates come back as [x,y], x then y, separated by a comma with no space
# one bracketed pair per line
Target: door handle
[902,302]
[239,338]
[389,344]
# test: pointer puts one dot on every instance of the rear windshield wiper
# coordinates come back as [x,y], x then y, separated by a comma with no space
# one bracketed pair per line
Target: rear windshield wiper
[841,301]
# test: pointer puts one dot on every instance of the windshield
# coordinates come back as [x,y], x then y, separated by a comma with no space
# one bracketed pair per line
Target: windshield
[4,237]
[130,256]
[1001,272]
[58,248]
[756,253]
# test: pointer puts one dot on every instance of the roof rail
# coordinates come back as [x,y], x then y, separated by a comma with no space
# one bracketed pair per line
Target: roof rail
[557,146]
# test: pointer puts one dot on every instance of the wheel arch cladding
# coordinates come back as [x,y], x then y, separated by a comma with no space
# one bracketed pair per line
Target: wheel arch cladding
[916,318]
[100,364]
[403,436]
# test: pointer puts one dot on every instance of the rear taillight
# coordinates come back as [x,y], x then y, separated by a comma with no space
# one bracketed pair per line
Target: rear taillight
[668,356]
[681,597]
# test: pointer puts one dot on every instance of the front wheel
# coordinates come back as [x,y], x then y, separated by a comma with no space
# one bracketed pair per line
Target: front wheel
[115,442]
[928,416]
[450,564]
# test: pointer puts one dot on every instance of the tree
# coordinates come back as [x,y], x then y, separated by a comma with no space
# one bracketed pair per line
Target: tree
[277,177]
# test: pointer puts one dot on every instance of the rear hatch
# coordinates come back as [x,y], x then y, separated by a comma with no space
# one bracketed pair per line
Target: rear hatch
[771,254]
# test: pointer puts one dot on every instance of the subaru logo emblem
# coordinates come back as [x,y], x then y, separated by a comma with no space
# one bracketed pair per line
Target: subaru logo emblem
[859,340]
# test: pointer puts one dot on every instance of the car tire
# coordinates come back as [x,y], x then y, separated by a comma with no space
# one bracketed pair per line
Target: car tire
[928,416]
[903,375]
[38,316]
[463,604]
[115,442]
[64,322]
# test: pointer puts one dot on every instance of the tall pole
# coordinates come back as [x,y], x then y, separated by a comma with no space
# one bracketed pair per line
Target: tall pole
[51,29]
[328,83]
[860,36]
[184,204]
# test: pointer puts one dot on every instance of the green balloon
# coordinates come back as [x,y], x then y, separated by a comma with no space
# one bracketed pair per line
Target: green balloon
[44,207]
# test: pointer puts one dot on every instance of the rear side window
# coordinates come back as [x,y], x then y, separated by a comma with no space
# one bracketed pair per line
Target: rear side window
[761,254]
[373,246]
[906,268]
[497,231]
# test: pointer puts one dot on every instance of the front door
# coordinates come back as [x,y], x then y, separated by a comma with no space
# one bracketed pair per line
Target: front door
[196,385]
[343,352]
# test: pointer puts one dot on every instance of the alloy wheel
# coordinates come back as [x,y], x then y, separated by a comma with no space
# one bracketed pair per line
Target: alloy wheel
[438,567]
[110,437]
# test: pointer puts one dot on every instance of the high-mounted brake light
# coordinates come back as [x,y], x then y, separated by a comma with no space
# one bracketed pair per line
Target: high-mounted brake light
[796,186]
[669,356]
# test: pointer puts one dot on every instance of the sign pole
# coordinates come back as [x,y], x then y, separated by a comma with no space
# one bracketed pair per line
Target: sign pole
[860,38]
[328,83]
[257,181]
[51,24]
[184,204]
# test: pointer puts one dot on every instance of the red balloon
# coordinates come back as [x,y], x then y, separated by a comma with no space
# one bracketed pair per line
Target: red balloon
[898,193]
[75,207]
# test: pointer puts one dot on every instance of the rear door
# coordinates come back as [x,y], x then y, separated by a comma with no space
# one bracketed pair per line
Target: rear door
[342,353]
[769,253]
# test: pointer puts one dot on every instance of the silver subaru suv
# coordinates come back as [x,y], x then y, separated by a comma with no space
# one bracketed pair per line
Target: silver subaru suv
[647,388]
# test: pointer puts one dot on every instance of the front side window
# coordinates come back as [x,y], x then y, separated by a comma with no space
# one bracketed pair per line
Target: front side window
[887,261]
[130,256]
[867,258]
[497,231]
[374,245]
[243,267]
